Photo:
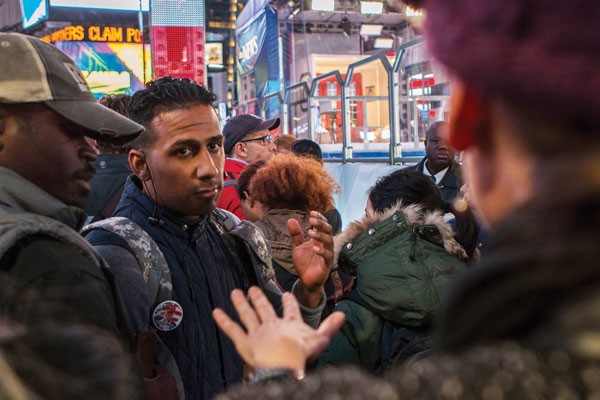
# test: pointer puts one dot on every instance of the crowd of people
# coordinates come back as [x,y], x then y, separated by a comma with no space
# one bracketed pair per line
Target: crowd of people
[211,260]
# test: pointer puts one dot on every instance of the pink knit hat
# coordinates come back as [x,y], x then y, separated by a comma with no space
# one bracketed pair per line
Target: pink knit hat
[546,52]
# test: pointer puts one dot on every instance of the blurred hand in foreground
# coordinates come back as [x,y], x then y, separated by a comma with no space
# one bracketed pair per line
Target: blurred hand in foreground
[273,342]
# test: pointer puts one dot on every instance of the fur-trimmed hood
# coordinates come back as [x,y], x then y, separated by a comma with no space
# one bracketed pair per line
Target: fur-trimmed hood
[414,216]
[404,259]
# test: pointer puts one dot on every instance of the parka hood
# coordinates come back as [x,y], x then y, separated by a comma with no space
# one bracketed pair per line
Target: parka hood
[414,216]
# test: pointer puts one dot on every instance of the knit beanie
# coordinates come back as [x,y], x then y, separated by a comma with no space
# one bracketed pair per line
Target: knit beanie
[543,52]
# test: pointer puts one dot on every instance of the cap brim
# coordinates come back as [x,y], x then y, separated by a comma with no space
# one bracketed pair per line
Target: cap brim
[267,125]
[103,123]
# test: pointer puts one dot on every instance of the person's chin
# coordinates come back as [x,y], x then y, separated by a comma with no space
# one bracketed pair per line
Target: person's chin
[74,200]
[203,207]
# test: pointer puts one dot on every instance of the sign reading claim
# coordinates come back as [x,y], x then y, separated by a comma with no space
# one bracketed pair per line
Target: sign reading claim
[95,33]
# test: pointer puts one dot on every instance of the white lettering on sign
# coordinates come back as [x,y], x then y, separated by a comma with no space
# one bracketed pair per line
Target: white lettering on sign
[249,49]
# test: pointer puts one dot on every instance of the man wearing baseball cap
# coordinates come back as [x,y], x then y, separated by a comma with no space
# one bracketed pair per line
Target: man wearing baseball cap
[247,139]
[46,113]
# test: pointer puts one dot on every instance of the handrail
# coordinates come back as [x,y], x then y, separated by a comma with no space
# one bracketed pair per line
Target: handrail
[263,102]
[347,150]
[313,88]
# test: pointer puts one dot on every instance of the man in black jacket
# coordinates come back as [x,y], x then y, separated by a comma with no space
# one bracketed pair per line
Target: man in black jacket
[112,168]
[178,166]
[439,161]
[46,113]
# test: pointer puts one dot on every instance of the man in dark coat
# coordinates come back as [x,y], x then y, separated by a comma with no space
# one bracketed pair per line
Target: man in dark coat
[112,168]
[178,176]
[46,113]
[439,161]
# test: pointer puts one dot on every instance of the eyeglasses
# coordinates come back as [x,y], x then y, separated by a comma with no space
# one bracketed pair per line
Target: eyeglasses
[265,140]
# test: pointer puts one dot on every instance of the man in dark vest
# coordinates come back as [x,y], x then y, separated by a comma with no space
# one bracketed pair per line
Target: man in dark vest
[178,176]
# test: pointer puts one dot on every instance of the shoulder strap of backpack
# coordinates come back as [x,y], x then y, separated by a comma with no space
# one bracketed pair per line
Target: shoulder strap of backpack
[226,219]
[155,270]
[151,260]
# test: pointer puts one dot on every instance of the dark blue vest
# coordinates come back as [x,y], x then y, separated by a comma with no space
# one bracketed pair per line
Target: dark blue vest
[204,272]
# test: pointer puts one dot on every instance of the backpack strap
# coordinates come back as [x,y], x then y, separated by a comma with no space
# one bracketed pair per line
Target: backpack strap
[152,262]
[259,270]
[226,219]
[156,273]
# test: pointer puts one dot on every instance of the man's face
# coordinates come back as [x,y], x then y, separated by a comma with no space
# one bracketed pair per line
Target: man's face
[439,153]
[258,150]
[49,151]
[186,160]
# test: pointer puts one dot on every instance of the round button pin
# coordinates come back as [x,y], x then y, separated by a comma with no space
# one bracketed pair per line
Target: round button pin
[167,315]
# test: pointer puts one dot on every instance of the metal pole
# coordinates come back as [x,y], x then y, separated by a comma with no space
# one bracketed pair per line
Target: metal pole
[346,143]
[311,128]
[365,126]
[393,93]
[416,121]
[141,24]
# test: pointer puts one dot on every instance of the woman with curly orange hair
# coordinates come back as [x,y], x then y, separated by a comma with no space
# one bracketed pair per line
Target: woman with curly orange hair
[293,183]
[288,186]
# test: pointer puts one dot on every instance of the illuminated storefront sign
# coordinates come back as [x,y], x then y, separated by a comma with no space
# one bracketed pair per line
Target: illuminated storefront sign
[214,54]
[110,68]
[95,34]
[258,53]
[121,5]
[178,39]
[251,39]
[33,11]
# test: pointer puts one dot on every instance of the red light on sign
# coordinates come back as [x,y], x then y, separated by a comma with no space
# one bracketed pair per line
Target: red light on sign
[432,114]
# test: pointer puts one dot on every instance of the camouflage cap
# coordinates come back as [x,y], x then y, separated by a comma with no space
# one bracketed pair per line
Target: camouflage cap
[33,71]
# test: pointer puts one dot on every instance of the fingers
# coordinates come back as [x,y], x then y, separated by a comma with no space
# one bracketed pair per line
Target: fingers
[231,328]
[322,234]
[244,309]
[319,222]
[261,304]
[291,310]
[332,324]
[295,232]
[327,330]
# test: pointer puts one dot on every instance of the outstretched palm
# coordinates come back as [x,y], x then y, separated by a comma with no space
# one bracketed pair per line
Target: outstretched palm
[313,259]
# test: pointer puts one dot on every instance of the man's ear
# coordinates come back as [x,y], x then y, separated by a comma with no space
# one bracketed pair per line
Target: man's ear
[240,150]
[466,116]
[137,162]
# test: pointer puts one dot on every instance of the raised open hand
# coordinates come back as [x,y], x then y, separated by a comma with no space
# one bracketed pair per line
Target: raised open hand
[313,259]
[273,342]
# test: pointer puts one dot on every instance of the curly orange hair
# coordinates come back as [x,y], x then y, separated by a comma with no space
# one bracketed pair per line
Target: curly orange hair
[290,182]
